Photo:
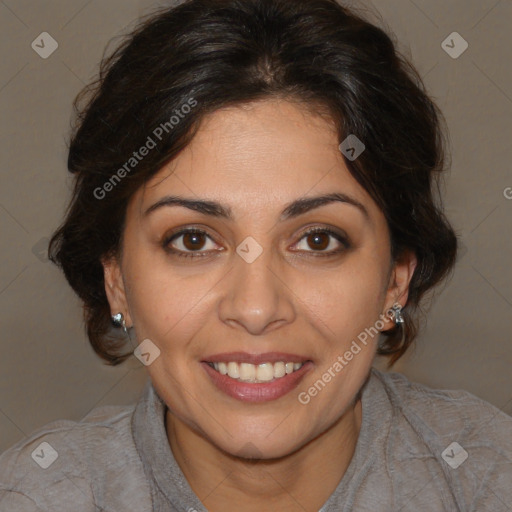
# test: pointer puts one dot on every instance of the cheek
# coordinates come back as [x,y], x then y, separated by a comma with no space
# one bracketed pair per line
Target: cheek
[345,308]
[166,304]
[347,300]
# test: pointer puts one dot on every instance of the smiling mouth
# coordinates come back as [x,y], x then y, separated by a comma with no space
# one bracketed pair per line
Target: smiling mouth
[256,373]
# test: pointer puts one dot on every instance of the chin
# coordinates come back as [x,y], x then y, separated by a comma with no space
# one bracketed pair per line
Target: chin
[254,450]
[262,445]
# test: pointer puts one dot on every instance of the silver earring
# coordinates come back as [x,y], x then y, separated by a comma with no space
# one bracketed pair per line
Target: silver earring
[397,313]
[118,321]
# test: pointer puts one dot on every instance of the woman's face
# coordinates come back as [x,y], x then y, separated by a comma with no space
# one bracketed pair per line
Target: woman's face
[251,286]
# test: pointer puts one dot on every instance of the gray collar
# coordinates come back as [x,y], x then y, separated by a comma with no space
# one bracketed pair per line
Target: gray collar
[170,491]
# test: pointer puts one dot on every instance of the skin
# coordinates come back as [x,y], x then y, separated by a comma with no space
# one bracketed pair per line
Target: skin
[256,159]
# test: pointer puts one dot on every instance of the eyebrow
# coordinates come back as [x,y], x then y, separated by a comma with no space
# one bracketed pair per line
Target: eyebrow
[294,209]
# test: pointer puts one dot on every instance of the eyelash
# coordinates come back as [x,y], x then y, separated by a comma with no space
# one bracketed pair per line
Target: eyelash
[197,254]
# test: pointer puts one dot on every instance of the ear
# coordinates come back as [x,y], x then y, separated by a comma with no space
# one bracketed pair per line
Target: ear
[398,286]
[115,288]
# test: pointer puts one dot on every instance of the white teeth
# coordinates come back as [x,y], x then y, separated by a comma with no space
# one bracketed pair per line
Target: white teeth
[247,371]
[279,370]
[233,370]
[264,372]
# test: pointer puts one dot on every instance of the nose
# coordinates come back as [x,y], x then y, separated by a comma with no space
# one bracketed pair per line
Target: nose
[256,298]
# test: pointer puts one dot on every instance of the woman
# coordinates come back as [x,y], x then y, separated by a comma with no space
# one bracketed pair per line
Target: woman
[255,211]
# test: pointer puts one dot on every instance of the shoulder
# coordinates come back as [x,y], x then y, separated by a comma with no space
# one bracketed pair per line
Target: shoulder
[448,436]
[71,462]
[445,411]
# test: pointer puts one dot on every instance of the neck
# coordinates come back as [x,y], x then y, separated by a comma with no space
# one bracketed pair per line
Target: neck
[301,481]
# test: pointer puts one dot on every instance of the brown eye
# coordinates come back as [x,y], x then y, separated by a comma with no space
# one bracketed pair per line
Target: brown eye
[323,242]
[193,241]
[188,242]
[318,241]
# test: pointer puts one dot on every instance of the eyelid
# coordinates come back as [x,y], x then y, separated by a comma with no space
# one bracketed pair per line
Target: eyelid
[340,236]
[176,233]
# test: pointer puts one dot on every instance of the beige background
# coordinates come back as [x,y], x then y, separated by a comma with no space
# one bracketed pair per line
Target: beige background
[48,371]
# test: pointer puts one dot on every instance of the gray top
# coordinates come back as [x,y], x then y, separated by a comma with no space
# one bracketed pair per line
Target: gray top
[419,449]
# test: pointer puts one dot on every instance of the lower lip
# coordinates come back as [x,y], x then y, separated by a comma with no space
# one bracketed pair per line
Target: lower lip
[257,392]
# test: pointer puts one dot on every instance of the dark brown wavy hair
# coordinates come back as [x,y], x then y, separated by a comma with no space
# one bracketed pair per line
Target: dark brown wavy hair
[229,52]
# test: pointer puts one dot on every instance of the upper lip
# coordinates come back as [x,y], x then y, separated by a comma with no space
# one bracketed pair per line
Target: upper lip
[244,357]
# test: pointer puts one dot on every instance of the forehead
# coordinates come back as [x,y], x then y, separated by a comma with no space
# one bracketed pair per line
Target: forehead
[256,156]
